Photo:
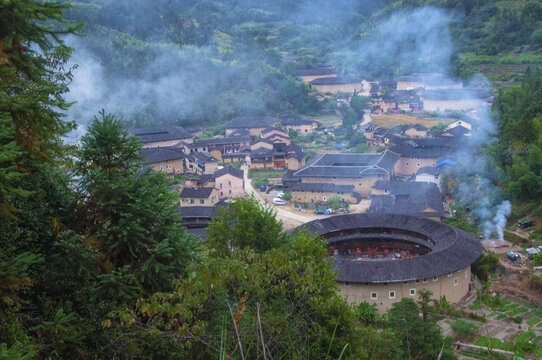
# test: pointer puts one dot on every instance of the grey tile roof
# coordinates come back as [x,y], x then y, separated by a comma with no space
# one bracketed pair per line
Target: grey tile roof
[203,157]
[251,122]
[229,170]
[198,192]
[350,165]
[206,178]
[271,129]
[296,122]
[222,141]
[240,132]
[453,249]
[335,81]
[456,94]
[312,72]
[457,131]
[407,197]
[426,148]
[160,133]
[159,154]
[431,170]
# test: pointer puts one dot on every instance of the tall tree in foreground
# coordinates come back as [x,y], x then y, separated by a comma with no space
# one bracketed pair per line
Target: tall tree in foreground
[33,80]
[130,212]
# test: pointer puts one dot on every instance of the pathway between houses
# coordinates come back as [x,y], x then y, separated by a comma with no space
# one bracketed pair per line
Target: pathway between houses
[289,219]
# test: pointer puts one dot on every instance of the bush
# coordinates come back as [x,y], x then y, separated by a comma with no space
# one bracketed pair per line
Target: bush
[518,319]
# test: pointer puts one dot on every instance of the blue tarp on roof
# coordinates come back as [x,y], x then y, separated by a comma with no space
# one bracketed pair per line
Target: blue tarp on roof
[448,161]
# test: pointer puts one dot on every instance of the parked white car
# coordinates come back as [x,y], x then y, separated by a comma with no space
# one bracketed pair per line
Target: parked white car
[278,201]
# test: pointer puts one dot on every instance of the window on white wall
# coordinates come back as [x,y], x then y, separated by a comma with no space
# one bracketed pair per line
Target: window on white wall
[392,294]
[456,281]
[424,281]
[347,283]
[435,278]
[412,292]
[374,295]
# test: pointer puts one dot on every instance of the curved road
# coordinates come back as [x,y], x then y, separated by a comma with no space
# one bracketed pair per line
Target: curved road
[289,219]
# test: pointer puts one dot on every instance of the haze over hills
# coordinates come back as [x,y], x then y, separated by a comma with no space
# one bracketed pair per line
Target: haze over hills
[220,59]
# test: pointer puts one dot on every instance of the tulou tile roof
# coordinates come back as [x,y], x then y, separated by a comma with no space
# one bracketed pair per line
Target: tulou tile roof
[451,249]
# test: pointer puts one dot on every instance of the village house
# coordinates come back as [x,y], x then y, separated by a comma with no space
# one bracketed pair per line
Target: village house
[308,75]
[429,174]
[396,101]
[384,103]
[416,131]
[335,85]
[220,146]
[427,81]
[169,160]
[254,124]
[418,153]
[456,131]
[161,136]
[195,130]
[201,163]
[280,156]
[295,160]
[198,196]
[446,100]
[466,123]
[196,218]
[302,127]
[408,198]
[261,143]
[358,170]
[273,131]
[229,182]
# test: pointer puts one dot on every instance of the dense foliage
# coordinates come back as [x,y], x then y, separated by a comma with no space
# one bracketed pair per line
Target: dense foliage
[518,152]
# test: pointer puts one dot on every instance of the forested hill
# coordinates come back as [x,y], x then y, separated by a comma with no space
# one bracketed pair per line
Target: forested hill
[219,59]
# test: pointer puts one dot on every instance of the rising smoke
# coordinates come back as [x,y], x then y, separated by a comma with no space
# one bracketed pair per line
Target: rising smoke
[177,82]
[420,41]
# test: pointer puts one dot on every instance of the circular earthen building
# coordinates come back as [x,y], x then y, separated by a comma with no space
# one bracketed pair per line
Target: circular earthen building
[381,258]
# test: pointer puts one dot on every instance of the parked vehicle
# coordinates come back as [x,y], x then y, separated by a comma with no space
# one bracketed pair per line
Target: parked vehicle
[512,255]
[278,201]
[525,223]
[262,187]
[320,211]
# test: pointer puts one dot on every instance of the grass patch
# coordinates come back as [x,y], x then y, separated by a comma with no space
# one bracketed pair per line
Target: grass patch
[475,306]
[537,312]
[516,311]
[477,354]
[501,316]
[519,301]
[533,321]
[494,313]
[526,336]
[494,343]
[265,172]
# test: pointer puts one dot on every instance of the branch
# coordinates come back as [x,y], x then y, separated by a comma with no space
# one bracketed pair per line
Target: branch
[236,332]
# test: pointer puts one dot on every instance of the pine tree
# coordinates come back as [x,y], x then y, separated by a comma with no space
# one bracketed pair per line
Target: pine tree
[130,211]
[33,79]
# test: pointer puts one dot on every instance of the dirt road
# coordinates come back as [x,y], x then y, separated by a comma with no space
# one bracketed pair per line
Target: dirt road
[289,219]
